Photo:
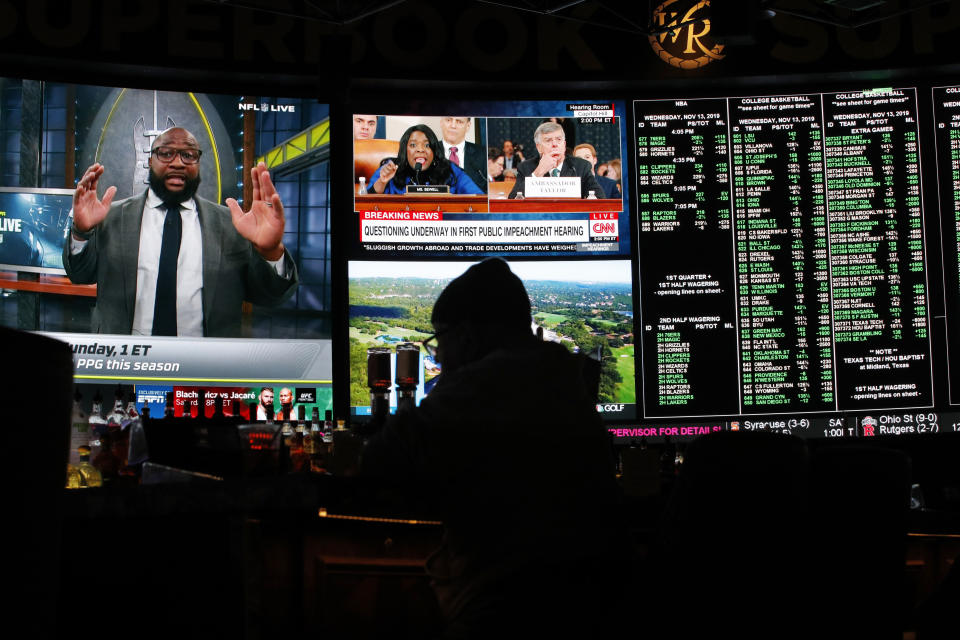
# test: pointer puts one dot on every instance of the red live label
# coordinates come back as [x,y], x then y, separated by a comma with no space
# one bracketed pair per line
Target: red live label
[401,215]
[604,225]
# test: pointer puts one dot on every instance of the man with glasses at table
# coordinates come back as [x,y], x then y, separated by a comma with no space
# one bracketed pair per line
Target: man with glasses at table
[184,274]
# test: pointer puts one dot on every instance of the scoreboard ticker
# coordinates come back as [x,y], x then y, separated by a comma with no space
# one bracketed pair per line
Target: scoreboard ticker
[853,425]
[784,275]
[946,107]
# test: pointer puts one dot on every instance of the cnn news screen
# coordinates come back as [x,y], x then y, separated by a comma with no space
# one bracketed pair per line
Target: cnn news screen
[537,183]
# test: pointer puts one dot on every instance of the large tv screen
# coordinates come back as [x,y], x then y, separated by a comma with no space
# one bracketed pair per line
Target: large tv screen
[33,226]
[537,183]
[784,264]
[946,114]
[244,320]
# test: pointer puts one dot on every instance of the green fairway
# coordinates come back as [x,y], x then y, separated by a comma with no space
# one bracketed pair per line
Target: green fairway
[550,320]
[399,332]
[626,390]
[605,324]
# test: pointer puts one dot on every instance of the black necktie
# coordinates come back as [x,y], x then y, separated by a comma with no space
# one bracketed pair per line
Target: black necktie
[165,306]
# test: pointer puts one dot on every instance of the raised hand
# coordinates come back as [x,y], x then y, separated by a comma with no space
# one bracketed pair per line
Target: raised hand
[263,224]
[548,162]
[88,210]
[387,171]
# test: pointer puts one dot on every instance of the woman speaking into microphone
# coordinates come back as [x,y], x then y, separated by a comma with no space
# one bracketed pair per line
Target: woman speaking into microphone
[420,161]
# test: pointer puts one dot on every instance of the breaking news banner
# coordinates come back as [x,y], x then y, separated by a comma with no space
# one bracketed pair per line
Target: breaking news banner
[219,361]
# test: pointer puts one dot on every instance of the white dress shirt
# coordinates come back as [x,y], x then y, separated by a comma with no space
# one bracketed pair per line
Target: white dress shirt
[461,150]
[189,268]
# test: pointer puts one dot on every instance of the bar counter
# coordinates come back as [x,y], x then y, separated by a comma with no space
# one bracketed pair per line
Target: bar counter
[246,558]
[307,553]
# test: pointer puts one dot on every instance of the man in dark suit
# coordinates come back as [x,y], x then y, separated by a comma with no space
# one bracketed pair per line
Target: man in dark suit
[468,156]
[181,274]
[553,161]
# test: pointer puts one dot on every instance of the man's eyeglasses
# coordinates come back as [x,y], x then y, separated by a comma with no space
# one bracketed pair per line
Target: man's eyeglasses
[430,344]
[167,154]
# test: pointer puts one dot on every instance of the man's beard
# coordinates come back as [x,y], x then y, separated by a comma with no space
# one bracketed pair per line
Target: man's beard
[190,186]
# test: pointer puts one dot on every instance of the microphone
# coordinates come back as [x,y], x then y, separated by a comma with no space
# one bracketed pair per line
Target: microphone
[418,168]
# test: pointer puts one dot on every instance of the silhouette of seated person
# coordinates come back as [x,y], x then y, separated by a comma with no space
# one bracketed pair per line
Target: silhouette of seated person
[509,450]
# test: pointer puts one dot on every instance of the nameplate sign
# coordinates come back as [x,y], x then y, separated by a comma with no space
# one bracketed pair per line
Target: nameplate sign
[427,189]
[559,187]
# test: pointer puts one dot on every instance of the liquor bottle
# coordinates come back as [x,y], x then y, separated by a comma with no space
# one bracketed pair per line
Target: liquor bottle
[131,409]
[328,428]
[120,443]
[201,404]
[298,429]
[89,475]
[219,417]
[344,451]
[308,445]
[319,449]
[102,447]
[288,434]
[116,417]
[299,458]
[286,445]
[169,410]
[301,427]
[79,429]
[115,438]
[98,425]
[73,475]
[83,475]
[137,452]
[124,445]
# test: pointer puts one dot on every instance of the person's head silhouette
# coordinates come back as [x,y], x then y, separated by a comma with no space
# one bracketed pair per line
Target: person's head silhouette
[485,308]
